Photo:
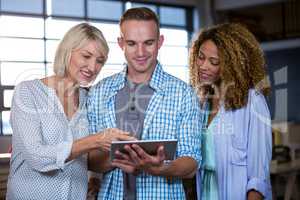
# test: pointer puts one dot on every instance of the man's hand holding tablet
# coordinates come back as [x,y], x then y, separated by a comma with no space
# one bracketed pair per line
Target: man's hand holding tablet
[132,156]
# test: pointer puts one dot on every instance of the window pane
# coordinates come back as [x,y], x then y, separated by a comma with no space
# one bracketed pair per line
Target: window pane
[111,32]
[51,46]
[28,6]
[55,29]
[109,70]
[175,37]
[179,72]
[5,123]
[196,23]
[49,68]
[14,73]
[7,98]
[12,49]
[174,56]
[74,8]
[172,16]
[115,55]
[21,26]
[104,9]
[152,7]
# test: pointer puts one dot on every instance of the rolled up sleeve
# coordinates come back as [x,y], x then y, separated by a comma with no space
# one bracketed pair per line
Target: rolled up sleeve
[258,184]
[259,147]
[189,129]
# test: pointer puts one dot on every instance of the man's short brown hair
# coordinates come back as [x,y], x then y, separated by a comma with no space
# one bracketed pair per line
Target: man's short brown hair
[140,13]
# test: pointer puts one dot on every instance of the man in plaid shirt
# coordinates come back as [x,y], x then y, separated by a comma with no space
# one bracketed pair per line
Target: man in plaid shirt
[152,105]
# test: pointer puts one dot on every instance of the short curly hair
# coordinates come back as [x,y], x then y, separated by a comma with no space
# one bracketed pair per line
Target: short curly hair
[242,62]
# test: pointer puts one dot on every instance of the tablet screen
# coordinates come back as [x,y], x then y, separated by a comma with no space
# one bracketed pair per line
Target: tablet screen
[149,146]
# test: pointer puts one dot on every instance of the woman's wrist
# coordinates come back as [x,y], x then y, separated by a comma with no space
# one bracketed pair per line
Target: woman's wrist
[254,195]
[92,142]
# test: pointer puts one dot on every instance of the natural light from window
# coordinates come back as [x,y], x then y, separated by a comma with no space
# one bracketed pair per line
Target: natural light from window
[28,42]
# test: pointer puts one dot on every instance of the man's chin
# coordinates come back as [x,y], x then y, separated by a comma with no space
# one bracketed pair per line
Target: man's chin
[140,68]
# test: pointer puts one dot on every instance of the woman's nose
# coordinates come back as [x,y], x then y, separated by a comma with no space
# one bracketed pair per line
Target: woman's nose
[92,65]
[203,64]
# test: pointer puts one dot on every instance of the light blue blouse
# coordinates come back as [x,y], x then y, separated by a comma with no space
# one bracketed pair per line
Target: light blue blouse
[42,140]
[243,149]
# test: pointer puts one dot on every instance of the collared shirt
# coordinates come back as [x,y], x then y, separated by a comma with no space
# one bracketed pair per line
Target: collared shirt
[173,113]
[243,149]
[42,141]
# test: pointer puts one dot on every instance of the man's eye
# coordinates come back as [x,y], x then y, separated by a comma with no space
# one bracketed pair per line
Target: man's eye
[101,62]
[130,43]
[149,43]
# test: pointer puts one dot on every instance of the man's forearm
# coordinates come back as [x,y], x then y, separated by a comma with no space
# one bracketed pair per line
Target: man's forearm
[184,167]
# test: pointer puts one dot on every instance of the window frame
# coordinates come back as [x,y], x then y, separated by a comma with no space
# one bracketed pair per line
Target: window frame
[189,12]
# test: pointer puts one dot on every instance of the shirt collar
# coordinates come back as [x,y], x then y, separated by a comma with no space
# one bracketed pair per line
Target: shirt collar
[156,81]
[158,78]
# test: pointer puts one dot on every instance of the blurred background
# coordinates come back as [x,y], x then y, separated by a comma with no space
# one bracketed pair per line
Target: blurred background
[30,31]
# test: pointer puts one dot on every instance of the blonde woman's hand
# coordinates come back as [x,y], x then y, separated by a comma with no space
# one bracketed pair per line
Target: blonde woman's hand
[103,139]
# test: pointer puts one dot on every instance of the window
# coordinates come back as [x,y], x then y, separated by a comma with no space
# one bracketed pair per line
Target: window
[20,6]
[110,10]
[13,73]
[172,16]
[151,6]
[41,24]
[22,26]
[71,8]
[16,49]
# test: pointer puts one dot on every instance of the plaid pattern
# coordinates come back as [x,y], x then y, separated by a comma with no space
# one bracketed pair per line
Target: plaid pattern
[173,112]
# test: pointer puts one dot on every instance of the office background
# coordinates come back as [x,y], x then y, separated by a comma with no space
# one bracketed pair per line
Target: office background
[31,29]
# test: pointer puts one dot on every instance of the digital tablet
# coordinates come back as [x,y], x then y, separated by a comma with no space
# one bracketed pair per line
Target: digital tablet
[150,146]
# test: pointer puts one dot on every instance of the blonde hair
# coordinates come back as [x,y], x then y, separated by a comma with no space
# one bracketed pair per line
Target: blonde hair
[74,39]
[242,62]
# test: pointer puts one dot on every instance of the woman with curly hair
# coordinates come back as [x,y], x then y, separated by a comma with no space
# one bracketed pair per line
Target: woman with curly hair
[227,69]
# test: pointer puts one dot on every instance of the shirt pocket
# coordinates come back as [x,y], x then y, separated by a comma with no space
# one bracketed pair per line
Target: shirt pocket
[163,126]
[238,151]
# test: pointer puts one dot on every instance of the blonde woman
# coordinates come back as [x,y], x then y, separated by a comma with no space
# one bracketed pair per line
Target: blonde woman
[49,121]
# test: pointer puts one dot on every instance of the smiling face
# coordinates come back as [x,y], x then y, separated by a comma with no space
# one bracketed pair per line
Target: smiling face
[140,42]
[85,63]
[208,63]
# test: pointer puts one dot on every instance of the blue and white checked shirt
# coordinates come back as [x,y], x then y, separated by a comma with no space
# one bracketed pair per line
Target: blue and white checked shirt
[173,112]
